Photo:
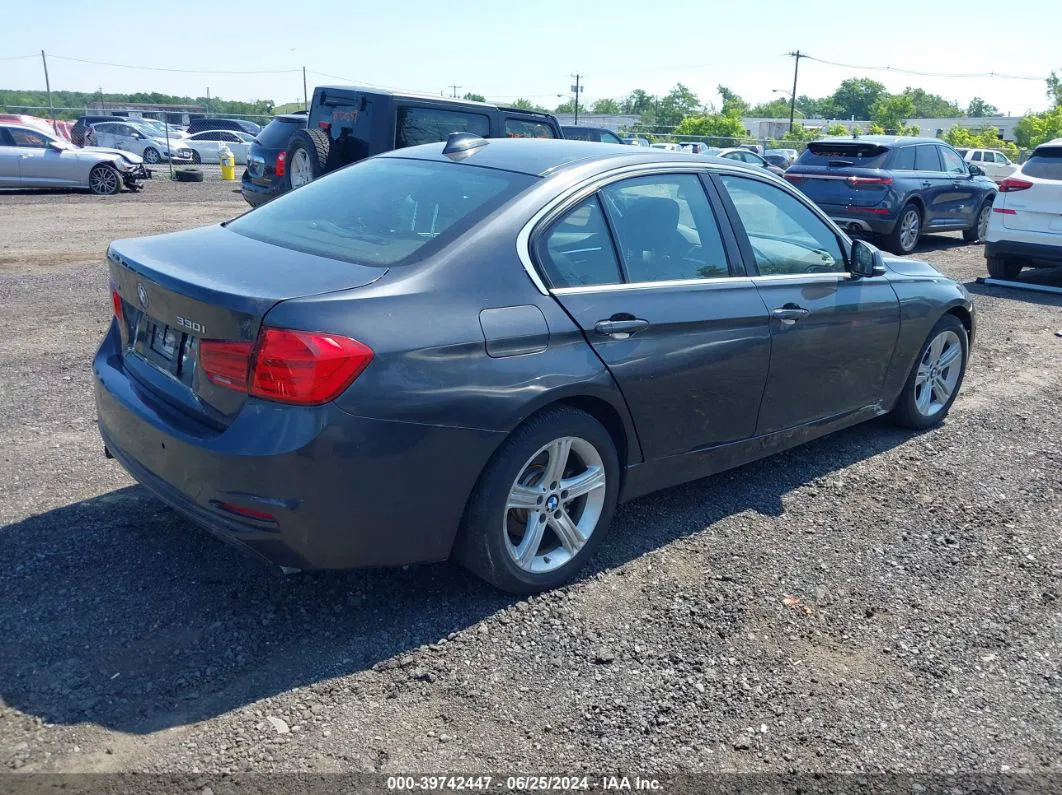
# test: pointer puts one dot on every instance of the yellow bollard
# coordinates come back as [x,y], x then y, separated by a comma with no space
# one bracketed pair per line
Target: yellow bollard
[228,163]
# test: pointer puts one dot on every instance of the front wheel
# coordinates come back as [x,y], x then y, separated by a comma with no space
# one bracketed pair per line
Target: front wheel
[543,503]
[908,229]
[936,377]
[151,155]
[980,228]
[104,180]
[196,158]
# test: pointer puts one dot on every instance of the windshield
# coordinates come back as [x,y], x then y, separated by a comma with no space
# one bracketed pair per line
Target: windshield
[384,211]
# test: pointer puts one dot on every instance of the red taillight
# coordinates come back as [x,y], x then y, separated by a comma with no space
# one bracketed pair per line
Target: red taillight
[290,366]
[855,181]
[116,300]
[1012,184]
[1004,211]
[226,363]
[282,159]
[875,210]
[325,125]
[305,367]
[250,513]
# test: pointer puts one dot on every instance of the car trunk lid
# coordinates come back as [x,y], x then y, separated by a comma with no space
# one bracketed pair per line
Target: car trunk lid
[844,173]
[179,289]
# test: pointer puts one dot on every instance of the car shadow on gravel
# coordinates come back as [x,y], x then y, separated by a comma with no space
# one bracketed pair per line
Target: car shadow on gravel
[1045,277]
[116,612]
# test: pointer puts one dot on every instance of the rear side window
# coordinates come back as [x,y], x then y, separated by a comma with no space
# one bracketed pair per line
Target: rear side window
[277,133]
[927,158]
[1046,163]
[843,154]
[430,125]
[523,128]
[385,211]
[904,159]
[578,251]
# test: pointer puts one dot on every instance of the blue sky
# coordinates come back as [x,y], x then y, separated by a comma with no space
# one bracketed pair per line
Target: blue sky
[505,50]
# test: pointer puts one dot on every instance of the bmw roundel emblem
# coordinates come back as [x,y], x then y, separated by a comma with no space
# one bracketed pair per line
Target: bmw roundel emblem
[141,293]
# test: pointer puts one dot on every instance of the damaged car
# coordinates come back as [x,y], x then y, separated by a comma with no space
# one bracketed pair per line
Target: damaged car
[32,158]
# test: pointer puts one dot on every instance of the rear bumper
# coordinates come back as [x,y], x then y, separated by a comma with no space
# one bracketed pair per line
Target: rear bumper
[256,195]
[342,491]
[854,220]
[1034,253]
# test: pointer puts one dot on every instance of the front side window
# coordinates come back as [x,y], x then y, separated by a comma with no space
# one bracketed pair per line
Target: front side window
[577,251]
[430,125]
[665,228]
[386,211]
[28,138]
[953,164]
[522,128]
[786,237]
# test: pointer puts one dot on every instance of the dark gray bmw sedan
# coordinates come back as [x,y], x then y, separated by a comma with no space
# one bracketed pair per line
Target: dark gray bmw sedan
[477,349]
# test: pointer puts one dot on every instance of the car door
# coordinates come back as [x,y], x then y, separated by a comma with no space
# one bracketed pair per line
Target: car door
[103,134]
[39,165]
[832,335]
[643,268]
[9,173]
[127,139]
[206,144]
[935,185]
[964,199]
[237,146]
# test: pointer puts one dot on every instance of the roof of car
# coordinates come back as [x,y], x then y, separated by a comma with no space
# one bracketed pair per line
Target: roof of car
[880,140]
[542,156]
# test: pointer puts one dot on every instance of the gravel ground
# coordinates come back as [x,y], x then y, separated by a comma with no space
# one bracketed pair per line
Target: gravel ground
[874,601]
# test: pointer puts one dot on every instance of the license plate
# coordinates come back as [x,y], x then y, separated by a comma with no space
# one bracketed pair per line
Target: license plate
[165,341]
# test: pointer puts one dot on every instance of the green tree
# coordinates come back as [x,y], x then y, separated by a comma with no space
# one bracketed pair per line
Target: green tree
[931,106]
[609,106]
[526,104]
[891,111]
[801,135]
[565,107]
[1035,128]
[985,138]
[638,102]
[733,105]
[475,97]
[837,129]
[679,103]
[711,125]
[978,109]
[875,129]
[775,109]
[856,96]
[824,108]
[1054,89]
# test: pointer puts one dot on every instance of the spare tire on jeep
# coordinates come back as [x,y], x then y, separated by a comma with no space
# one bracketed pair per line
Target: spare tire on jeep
[307,157]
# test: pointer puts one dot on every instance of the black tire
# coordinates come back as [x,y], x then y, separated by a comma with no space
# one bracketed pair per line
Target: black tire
[316,145]
[973,234]
[894,241]
[1002,268]
[483,543]
[188,175]
[196,159]
[104,180]
[906,413]
[154,157]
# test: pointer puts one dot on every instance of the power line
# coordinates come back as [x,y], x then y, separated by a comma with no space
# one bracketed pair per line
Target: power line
[183,71]
[17,57]
[922,74]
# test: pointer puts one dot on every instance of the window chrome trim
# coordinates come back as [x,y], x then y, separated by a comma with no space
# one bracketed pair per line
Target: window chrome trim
[625,286]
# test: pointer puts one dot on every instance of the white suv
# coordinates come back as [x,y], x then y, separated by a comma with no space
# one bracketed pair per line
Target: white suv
[1026,224]
[996,165]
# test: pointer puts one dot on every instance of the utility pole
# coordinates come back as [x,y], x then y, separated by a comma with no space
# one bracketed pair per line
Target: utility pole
[576,89]
[455,87]
[797,55]
[305,96]
[208,99]
[48,86]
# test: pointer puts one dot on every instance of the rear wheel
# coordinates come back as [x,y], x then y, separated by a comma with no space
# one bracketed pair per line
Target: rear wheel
[980,228]
[936,377]
[543,503]
[1002,268]
[307,157]
[151,155]
[908,229]
[104,180]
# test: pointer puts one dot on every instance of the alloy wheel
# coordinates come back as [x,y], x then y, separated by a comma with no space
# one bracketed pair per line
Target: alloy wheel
[938,373]
[554,505]
[103,181]
[151,155]
[982,221]
[300,169]
[910,225]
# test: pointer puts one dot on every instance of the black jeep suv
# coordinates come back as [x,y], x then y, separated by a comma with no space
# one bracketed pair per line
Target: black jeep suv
[264,177]
[350,123]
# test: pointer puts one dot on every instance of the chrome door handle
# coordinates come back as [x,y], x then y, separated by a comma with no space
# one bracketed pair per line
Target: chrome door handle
[625,328]
[790,314]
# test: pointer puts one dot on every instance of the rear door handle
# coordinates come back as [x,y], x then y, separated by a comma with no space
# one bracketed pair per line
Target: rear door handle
[620,328]
[790,314]
[927,184]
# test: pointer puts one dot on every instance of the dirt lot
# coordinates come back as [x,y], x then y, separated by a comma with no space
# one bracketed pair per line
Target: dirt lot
[927,636]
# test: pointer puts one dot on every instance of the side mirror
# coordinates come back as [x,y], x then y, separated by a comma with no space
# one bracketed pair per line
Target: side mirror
[976,171]
[866,260]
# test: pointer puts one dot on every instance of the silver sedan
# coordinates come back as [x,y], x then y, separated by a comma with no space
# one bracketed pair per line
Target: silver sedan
[32,158]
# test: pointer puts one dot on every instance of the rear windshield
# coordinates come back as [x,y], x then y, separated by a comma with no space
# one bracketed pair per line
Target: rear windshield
[841,154]
[523,128]
[1046,163]
[278,132]
[384,211]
